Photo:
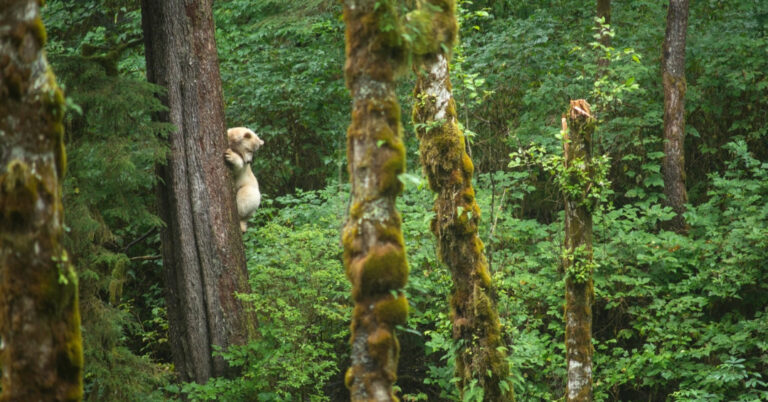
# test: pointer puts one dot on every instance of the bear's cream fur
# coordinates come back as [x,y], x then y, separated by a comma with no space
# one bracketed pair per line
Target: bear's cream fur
[242,144]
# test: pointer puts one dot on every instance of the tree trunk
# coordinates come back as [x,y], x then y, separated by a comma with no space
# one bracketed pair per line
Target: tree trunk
[203,254]
[577,262]
[41,356]
[604,12]
[374,254]
[449,168]
[673,72]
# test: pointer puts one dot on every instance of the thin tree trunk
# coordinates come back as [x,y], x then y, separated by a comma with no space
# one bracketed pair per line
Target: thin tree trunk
[374,254]
[41,356]
[604,12]
[449,168]
[203,254]
[673,72]
[578,251]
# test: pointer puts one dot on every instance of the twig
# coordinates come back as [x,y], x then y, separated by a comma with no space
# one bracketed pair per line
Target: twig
[146,258]
[142,237]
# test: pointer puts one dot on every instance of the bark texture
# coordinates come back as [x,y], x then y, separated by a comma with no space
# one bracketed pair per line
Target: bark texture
[673,73]
[374,253]
[449,169]
[577,261]
[41,357]
[203,254]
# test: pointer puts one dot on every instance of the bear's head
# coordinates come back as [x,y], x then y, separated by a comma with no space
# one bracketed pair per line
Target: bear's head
[244,142]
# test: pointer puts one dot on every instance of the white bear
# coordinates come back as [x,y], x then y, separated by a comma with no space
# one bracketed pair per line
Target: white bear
[242,144]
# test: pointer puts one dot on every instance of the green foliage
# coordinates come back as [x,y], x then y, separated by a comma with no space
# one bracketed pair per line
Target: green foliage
[281,66]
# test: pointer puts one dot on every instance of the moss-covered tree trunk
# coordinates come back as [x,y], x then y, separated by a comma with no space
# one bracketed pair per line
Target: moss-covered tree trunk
[203,255]
[577,260]
[449,169]
[374,253]
[673,74]
[41,357]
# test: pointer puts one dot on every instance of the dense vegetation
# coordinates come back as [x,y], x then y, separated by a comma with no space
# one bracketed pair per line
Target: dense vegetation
[676,316]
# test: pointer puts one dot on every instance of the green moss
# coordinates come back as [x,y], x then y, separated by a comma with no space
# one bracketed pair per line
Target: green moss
[383,269]
[468,195]
[392,310]
[482,270]
[349,377]
[466,164]
[38,29]
[351,247]
[356,210]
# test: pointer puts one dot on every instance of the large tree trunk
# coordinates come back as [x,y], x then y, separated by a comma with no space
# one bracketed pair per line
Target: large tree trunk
[374,254]
[577,262]
[203,254]
[41,357]
[673,72]
[449,168]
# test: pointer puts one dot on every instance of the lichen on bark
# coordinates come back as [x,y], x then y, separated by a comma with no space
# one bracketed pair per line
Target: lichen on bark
[449,170]
[40,342]
[577,258]
[374,251]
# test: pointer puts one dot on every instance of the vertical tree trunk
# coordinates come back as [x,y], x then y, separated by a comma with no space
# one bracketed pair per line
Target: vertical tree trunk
[41,357]
[604,12]
[374,254]
[577,262]
[449,169]
[673,72]
[203,254]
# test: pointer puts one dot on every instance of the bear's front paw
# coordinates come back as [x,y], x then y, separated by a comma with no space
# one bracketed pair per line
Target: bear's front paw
[231,156]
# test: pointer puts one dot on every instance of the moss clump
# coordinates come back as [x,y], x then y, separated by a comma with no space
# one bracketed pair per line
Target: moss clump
[38,29]
[482,272]
[349,377]
[393,310]
[382,269]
